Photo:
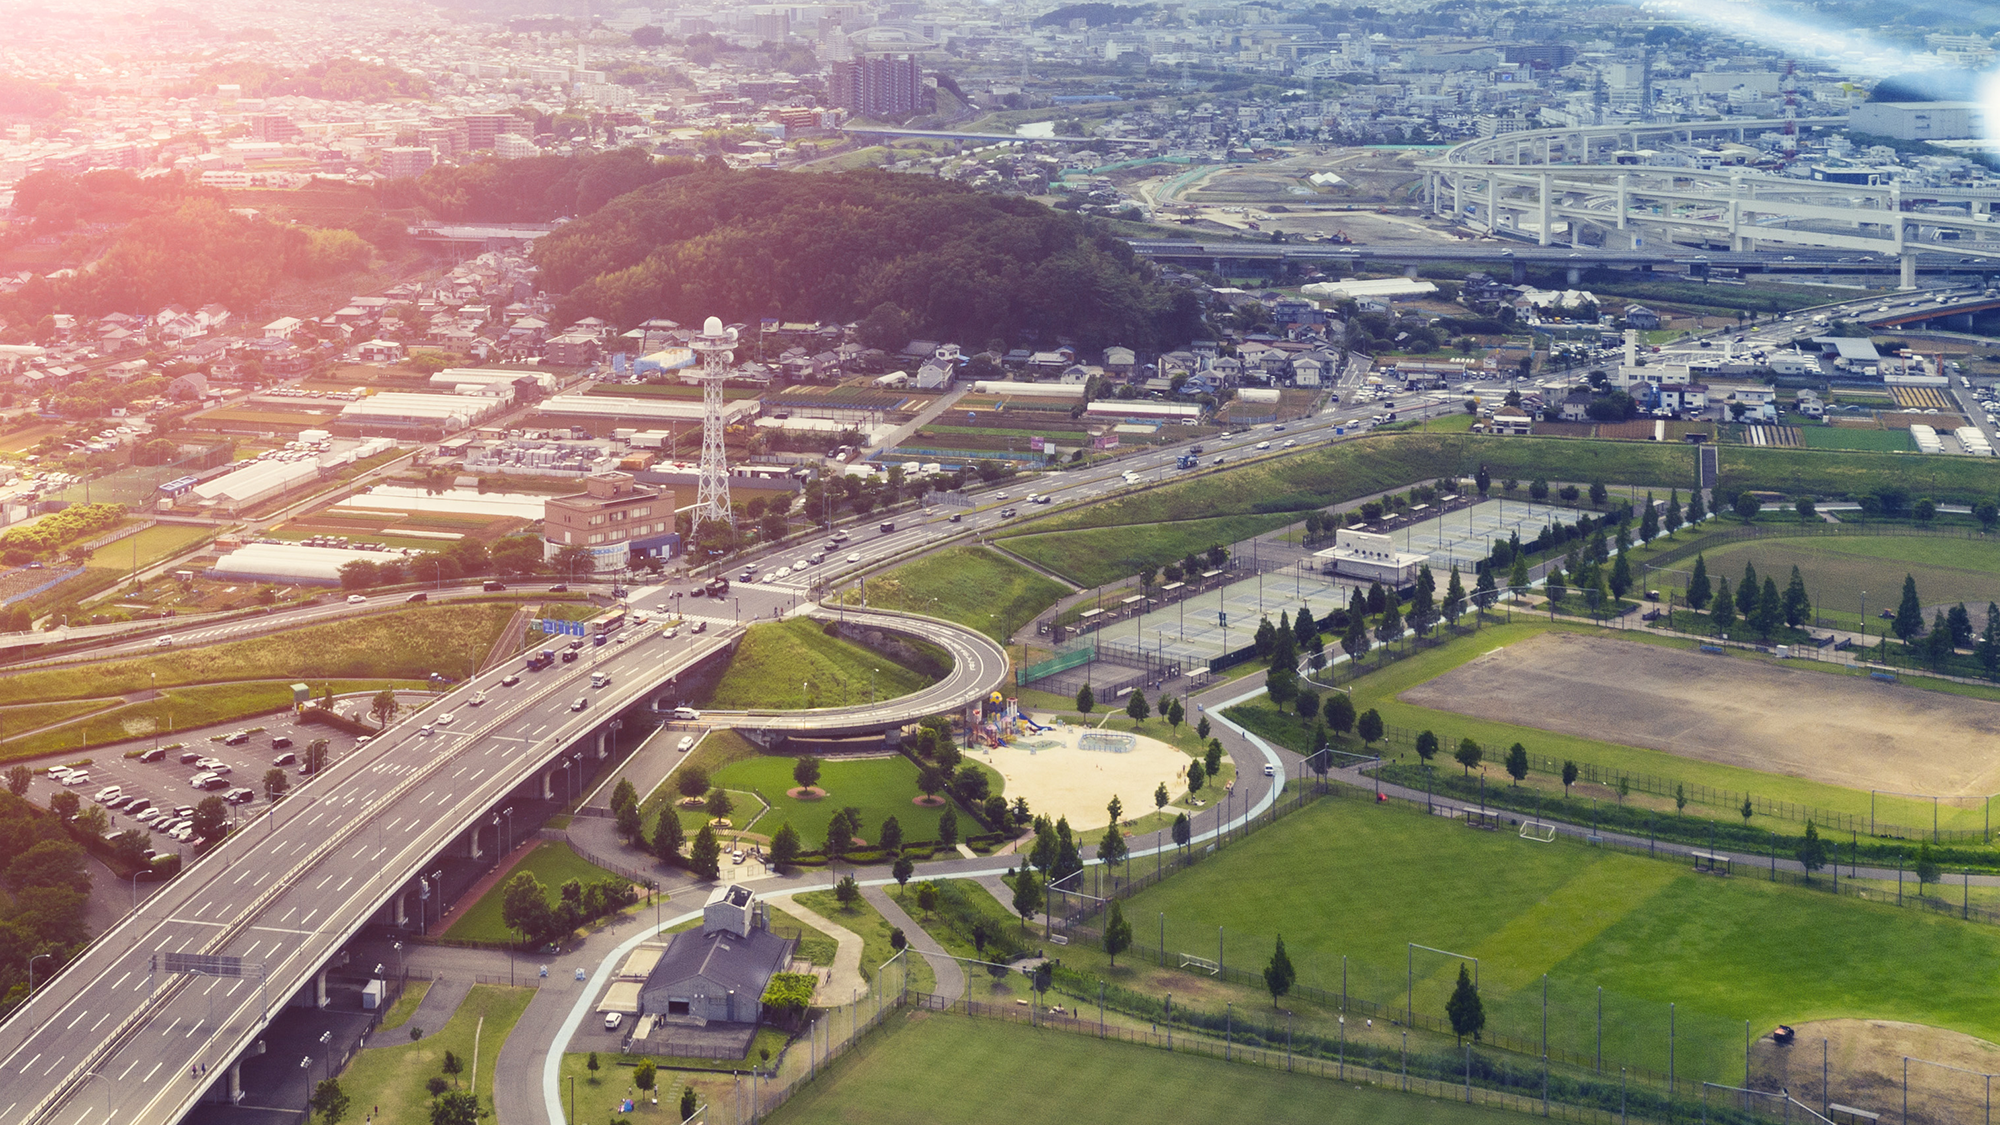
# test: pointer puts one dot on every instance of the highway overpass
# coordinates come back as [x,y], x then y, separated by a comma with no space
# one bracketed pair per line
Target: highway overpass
[153,1015]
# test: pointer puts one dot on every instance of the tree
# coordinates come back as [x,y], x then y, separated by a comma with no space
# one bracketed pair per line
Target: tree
[1517,763]
[1339,712]
[1937,643]
[1117,933]
[1464,1009]
[524,906]
[902,869]
[839,835]
[211,818]
[1598,494]
[18,780]
[931,781]
[383,707]
[1281,684]
[1770,609]
[847,891]
[1027,895]
[785,846]
[1354,639]
[1797,606]
[1112,849]
[1369,726]
[1926,510]
[329,1101]
[1555,587]
[1928,869]
[1748,809]
[1724,613]
[1161,797]
[1987,513]
[1423,604]
[1195,777]
[1697,510]
[705,855]
[1484,592]
[719,803]
[1568,775]
[1989,642]
[1747,505]
[1182,830]
[1468,754]
[629,822]
[1427,745]
[1909,613]
[1649,520]
[1175,714]
[1279,974]
[1538,489]
[1391,625]
[1672,522]
[1959,622]
[1086,700]
[1621,575]
[1136,706]
[276,781]
[805,771]
[1812,851]
[688,1103]
[1202,728]
[1805,508]
[1517,575]
[459,1107]
[453,1066]
[890,836]
[693,781]
[646,1074]
[1454,595]
[668,837]
[1307,704]
[948,828]
[1746,592]
[1212,757]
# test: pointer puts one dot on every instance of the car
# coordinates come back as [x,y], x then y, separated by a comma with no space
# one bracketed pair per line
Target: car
[737,856]
[286,759]
[105,794]
[477,700]
[580,703]
[119,802]
[280,742]
[156,754]
[569,654]
[856,557]
[355,599]
[510,679]
[190,757]
[1007,513]
[784,572]
[559,588]
[163,642]
[447,718]
[769,577]
[672,631]
[612,1020]
[1290,442]
[418,598]
[427,730]
[686,715]
[216,767]
[699,627]
[802,564]
[641,618]
[1270,771]
[237,738]
[686,743]
[74,780]
[1263,445]
[148,816]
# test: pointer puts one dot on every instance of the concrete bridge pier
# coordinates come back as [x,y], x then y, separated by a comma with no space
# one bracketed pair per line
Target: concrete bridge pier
[236,1082]
[1909,274]
[472,848]
[319,989]
[402,903]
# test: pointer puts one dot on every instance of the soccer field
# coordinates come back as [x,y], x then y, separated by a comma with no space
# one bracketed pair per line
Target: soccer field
[931,1069]
[1369,880]
[1842,573]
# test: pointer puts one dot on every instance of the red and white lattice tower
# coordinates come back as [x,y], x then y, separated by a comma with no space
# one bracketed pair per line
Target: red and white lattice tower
[1791,91]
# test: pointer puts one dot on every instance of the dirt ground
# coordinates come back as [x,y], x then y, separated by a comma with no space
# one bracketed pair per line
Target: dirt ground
[1060,780]
[1863,1060]
[1856,733]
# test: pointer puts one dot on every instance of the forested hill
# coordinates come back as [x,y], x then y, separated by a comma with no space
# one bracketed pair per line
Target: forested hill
[912,256]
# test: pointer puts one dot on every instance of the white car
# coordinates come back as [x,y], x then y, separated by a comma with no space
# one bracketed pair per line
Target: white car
[447,718]
[77,779]
[768,578]
[854,558]
[801,564]
[355,599]
[784,572]
[686,744]
[477,700]
[163,642]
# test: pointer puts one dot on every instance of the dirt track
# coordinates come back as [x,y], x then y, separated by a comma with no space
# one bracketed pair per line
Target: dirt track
[1853,732]
[1863,1060]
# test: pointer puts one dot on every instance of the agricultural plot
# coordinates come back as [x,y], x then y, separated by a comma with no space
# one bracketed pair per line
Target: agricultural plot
[1856,437]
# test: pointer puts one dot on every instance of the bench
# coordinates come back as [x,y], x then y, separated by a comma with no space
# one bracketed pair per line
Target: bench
[1848,1115]
[1482,818]
[1714,863]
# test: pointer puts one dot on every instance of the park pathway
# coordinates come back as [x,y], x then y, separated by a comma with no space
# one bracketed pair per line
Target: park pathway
[950,978]
[443,998]
[841,983]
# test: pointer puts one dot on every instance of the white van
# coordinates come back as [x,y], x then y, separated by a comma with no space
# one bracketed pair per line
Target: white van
[600,679]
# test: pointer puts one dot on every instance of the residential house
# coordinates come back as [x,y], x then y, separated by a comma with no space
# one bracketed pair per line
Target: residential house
[1120,360]
[379,351]
[1641,317]
[1575,406]
[282,327]
[1512,421]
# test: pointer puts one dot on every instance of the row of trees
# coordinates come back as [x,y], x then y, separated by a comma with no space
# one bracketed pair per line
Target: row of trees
[525,907]
[515,556]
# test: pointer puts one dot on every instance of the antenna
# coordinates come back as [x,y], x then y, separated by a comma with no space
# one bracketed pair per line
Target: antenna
[1791,91]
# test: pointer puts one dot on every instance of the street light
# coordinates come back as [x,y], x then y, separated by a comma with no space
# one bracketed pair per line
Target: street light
[31,970]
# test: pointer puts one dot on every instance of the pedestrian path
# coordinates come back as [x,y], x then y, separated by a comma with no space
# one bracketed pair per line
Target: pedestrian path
[842,982]
[950,978]
[439,1003]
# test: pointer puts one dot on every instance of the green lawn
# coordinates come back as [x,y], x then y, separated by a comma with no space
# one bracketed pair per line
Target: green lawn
[177,709]
[33,715]
[153,544]
[1649,932]
[873,930]
[935,1069]
[879,787]
[406,1005]
[1849,437]
[1095,556]
[391,1078]
[1838,570]
[403,644]
[552,863]
[976,587]
[795,664]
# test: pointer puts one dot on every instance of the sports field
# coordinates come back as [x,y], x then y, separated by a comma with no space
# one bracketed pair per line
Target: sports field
[1842,573]
[1845,731]
[1650,932]
[930,1069]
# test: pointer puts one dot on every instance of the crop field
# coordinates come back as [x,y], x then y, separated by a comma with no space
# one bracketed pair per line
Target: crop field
[1649,932]
[795,664]
[1855,437]
[1841,572]
[974,586]
[933,1069]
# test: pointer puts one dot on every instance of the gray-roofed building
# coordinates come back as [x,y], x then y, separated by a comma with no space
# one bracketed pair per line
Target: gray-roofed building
[718,974]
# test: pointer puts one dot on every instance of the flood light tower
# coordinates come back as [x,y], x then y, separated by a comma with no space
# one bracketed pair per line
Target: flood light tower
[717,347]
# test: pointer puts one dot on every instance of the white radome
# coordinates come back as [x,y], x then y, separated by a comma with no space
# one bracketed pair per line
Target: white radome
[712,326]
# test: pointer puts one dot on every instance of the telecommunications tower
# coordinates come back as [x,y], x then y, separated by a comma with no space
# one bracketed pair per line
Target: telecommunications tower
[717,346]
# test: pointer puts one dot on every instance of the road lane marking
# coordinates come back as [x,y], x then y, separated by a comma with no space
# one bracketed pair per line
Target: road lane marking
[120,982]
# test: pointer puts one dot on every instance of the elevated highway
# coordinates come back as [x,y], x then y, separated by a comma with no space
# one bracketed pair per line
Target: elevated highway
[117,1036]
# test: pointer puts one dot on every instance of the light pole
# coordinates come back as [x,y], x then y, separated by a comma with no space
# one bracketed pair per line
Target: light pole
[437,880]
[135,888]
[31,970]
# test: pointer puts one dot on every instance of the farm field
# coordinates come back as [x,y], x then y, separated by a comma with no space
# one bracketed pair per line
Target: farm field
[973,586]
[795,664]
[1853,437]
[1649,932]
[1840,571]
[153,544]
[933,1069]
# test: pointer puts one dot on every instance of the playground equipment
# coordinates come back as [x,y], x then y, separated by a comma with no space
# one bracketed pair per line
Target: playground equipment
[1106,741]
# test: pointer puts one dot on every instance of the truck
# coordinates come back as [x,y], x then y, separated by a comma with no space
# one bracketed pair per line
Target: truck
[541,660]
[718,587]
[1187,461]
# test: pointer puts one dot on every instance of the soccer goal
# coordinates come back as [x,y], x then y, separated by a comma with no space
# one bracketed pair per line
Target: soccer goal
[1539,831]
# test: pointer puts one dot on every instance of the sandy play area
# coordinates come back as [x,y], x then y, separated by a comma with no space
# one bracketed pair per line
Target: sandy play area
[1863,1060]
[1843,730]
[1061,780]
